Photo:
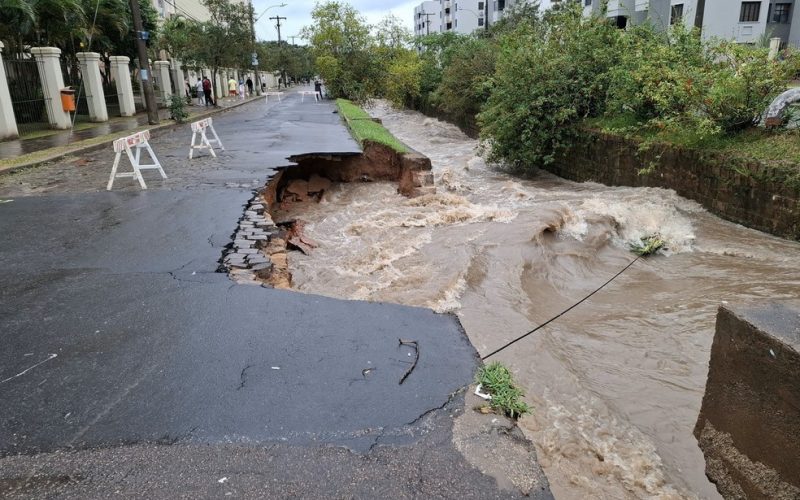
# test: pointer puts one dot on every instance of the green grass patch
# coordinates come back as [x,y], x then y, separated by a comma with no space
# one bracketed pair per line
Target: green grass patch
[496,379]
[363,128]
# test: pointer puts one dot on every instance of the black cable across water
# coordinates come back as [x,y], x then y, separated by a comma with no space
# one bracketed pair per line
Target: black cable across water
[573,306]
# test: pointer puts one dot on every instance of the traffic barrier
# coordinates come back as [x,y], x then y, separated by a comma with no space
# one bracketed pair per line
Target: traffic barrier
[138,141]
[304,93]
[199,128]
[267,94]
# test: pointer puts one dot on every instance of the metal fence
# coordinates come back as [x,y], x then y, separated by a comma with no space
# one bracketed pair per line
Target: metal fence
[72,78]
[27,96]
[110,93]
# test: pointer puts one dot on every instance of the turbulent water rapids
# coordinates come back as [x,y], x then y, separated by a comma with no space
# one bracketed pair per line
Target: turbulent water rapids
[615,384]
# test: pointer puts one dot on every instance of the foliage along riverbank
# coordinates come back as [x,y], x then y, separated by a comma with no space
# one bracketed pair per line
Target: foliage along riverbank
[537,80]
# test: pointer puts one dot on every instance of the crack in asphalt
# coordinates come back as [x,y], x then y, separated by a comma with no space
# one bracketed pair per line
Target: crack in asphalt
[414,422]
[243,377]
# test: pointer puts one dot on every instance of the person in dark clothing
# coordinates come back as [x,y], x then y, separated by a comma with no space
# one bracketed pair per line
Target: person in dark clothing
[207,90]
[249,84]
[318,88]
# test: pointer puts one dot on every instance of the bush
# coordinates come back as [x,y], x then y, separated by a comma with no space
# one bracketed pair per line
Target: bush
[496,380]
[549,76]
[177,108]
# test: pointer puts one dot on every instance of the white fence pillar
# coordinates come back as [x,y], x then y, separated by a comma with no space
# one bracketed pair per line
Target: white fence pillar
[180,78]
[774,47]
[165,85]
[93,85]
[8,123]
[47,60]
[120,72]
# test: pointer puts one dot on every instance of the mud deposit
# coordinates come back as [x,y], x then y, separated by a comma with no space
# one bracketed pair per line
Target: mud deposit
[616,384]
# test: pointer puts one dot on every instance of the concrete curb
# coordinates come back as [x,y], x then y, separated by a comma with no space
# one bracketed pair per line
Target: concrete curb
[154,130]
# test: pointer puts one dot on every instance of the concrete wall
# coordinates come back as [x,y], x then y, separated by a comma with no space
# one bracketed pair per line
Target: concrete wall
[746,192]
[749,423]
[721,19]
[463,15]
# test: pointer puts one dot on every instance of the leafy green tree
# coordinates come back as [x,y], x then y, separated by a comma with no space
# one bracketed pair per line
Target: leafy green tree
[342,47]
[549,77]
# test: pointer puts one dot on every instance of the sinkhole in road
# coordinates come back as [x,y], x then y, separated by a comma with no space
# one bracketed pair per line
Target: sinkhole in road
[258,253]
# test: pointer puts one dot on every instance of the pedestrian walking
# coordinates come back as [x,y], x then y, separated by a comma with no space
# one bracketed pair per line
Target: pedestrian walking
[232,88]
[198,88]
[207,90]
[318,88]
[249,83]
[241,89]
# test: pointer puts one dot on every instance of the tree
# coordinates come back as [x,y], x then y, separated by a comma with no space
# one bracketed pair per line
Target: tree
[215,43]
[341,43]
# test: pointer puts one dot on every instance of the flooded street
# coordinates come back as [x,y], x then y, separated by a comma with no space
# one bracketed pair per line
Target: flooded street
[616,384]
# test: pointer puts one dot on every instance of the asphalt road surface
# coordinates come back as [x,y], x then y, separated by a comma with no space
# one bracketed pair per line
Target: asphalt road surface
[131,366]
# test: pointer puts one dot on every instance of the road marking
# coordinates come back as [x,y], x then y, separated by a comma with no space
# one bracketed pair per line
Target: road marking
[23,372]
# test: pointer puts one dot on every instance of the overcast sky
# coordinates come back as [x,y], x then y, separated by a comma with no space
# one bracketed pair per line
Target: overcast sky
[298,14]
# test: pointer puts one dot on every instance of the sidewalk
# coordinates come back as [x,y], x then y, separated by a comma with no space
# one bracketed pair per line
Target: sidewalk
[65,138]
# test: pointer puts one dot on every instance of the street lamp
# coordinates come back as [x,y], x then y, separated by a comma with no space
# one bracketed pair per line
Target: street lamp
[253,36]
[270,7]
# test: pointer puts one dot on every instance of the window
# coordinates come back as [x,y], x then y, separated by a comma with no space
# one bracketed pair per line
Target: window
[587,3]
[780,14]
[456,25]
[480,5]
[449,26]
[676,16]
[749,12]
[480,21]
[501,4]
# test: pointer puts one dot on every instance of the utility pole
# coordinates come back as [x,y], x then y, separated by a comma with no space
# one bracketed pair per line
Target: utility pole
[144,64]
[280,50]
[253,54]
[427,22]
[293,37]
[486,14]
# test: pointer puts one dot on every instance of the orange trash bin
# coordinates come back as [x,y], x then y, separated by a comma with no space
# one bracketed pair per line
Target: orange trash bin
[68,99]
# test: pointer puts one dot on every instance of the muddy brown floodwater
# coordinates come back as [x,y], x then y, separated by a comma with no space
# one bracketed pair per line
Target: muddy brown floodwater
[615,384]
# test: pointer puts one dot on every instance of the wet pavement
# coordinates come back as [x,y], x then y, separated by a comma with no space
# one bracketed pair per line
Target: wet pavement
[18,147]
[131,366]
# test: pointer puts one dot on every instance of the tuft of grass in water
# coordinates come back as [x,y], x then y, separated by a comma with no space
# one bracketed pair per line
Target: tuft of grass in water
[496,380]
[647,245]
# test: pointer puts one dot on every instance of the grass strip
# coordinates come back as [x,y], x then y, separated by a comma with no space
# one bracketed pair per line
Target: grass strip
[364,128]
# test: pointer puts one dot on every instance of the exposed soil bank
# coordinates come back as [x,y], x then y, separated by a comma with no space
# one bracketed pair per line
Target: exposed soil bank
[746,192]
[748,425]
[258,254]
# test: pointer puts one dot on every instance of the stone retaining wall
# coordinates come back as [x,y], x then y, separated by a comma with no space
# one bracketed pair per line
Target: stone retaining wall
[749,423]
[749,193]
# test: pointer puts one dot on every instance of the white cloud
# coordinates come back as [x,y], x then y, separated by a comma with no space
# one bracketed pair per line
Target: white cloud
[298,14]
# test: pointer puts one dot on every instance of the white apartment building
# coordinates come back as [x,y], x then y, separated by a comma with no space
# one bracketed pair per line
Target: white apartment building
[427,18]
[190,9]
[742,21]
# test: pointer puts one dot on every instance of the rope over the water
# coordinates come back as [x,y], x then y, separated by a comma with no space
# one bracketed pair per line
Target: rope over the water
[573,306]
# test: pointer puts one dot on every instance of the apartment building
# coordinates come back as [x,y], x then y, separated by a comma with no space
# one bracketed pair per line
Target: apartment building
[742,21]
[427,18]
[190,9]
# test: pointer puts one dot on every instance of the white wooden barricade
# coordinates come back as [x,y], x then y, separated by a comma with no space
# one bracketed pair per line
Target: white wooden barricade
[199,128]
[267,94]
[137,141]
[304,93]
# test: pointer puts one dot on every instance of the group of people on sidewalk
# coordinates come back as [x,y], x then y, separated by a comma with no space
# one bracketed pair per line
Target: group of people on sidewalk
[203,89]
[240,89]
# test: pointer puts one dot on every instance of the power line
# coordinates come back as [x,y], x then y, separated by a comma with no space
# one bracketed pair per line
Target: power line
[565,311]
